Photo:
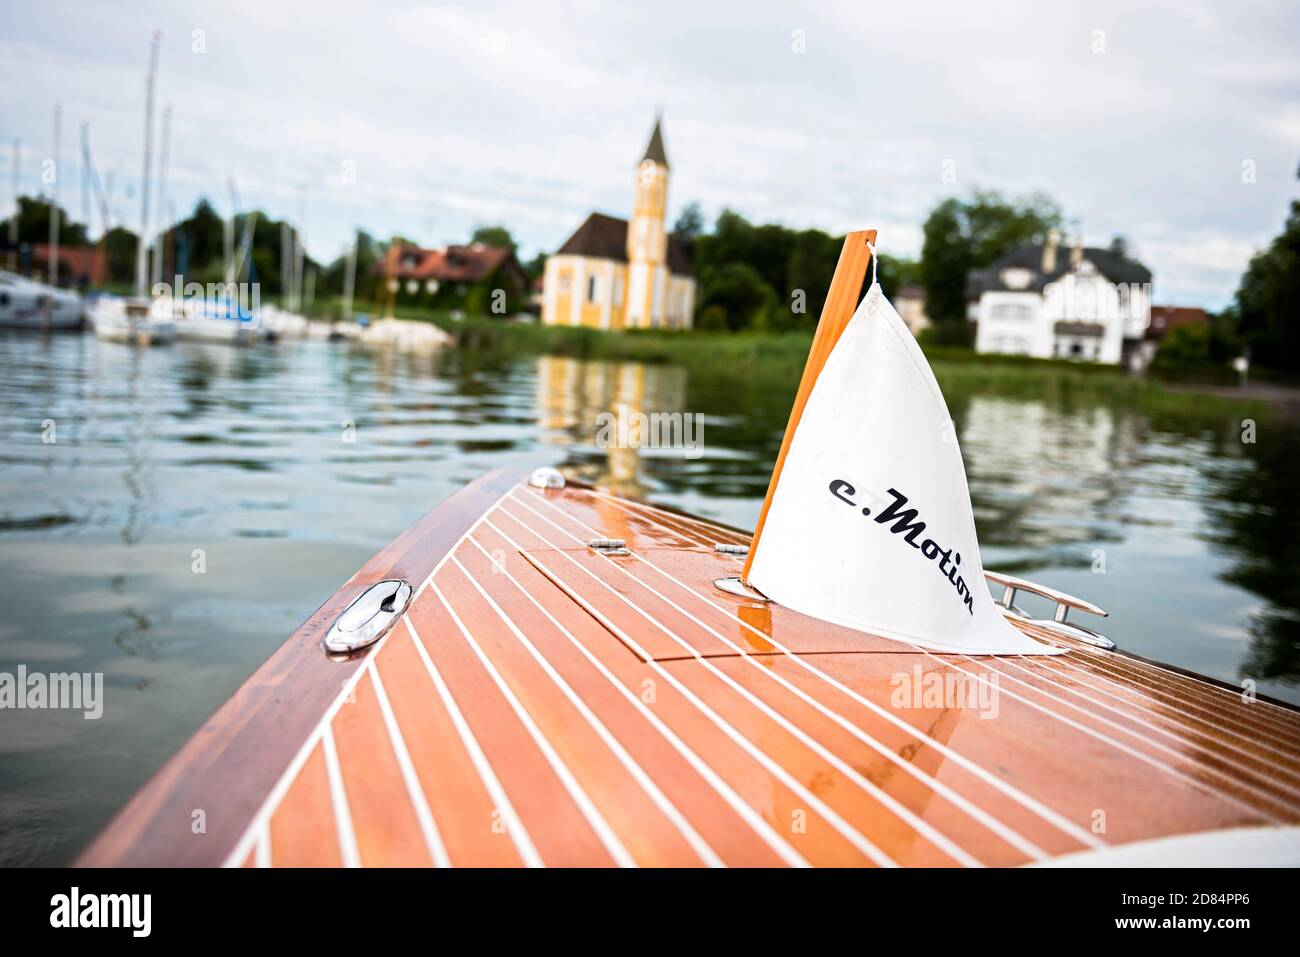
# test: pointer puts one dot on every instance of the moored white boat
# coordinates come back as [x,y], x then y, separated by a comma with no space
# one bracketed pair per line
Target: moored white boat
[204,321]
[405,335]
[129,321]
[27,304]
[290,325]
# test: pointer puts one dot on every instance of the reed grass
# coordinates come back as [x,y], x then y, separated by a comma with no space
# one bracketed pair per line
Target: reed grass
[779,358]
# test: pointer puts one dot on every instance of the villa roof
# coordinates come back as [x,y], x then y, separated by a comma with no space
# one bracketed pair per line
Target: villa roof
[1111,265]
[605,237]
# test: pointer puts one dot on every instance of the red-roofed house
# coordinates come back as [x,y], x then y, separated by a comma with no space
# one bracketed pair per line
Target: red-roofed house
[460,275]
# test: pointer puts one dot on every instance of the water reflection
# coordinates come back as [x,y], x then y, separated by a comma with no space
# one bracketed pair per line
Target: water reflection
[571,395]
[1045,479]
[1256,522]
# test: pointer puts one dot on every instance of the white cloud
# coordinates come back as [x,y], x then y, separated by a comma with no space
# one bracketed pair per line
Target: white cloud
[534,114]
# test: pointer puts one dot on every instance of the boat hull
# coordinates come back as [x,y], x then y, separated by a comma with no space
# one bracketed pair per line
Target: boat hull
[546,702]
[218,330]
[135,332]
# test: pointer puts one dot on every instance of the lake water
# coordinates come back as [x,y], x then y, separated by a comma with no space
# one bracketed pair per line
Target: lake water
[279,470]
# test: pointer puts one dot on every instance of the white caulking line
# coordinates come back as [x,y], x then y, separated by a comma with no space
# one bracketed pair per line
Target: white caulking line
[262,849]
[432,839]
[1135,679]
[847,831]
[886,800]
[1263,795]
[1205,691]
[1183,739]
[514,827]
[267,809]
[1100,736]
[580,797]
[264,814]
[1023,844]
[339,799]
[775,841]
[1020,797]
[904,813]
[708,536]
[1160,706]
[657,797]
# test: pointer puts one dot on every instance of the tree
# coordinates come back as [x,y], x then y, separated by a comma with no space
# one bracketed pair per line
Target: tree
[203,236]
[34,224]
[945,259]
[493,236]
[972,234]
[120,248]
[535,267]
[895,272]
[809,269]
[994,225]
[689,227]
[1268,299]
[739,290]
[1187,345]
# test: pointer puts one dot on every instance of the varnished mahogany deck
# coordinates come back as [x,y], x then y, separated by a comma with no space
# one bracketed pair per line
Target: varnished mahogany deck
[544,704]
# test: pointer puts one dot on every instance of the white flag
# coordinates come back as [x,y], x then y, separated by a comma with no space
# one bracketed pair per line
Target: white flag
[870,524]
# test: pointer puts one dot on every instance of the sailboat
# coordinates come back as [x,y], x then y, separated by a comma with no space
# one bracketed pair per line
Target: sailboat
[543,673]
[134,322]
[37,306]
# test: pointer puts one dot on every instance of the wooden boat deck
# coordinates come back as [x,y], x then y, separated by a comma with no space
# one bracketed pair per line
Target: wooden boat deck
[545,704]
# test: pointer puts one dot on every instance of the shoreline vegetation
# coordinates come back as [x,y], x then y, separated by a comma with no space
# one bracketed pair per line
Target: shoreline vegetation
[780,357]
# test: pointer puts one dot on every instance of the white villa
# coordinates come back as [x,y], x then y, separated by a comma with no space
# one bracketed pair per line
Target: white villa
[1086,303]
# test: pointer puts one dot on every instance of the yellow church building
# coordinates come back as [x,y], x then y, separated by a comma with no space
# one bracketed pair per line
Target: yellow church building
[616,274]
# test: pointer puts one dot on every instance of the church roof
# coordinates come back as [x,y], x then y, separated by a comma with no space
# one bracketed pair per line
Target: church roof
[605,237]
[655,148]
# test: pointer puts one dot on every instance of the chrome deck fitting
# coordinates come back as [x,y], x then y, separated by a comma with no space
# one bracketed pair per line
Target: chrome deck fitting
[369,617]
[608,546]
[1011,585]
[734,586]
[546,477]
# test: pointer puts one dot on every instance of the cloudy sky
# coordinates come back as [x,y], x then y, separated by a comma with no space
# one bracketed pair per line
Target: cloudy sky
[1138,117]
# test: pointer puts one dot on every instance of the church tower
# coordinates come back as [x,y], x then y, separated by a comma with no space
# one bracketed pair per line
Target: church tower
[617,273]
[647,237]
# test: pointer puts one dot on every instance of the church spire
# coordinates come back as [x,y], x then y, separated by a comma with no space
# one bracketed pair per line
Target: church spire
[654,150]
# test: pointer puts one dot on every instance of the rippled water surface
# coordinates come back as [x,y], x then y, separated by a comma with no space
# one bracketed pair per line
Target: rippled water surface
[168,516]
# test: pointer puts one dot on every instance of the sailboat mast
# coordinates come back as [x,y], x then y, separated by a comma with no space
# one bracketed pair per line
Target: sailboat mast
[53,250]
[298,253]
[162,192]
[350,277]
[228,229]
[284,265]
[142,241]
[85,178]
[13,220]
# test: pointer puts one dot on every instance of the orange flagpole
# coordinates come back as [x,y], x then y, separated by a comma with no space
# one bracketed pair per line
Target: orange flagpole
[841,302]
